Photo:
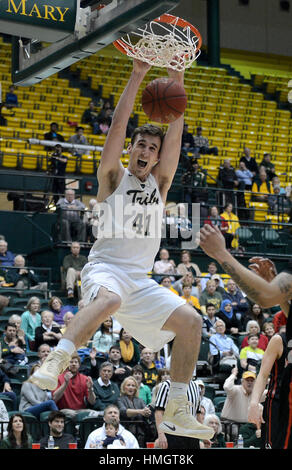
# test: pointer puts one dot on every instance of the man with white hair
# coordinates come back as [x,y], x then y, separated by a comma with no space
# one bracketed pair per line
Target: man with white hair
[89,220]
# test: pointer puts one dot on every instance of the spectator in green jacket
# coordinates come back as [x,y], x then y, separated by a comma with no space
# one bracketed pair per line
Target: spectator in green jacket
[30,320]
[106,391]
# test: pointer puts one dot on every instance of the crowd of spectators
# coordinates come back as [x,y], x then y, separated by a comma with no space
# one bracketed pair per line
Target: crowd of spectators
[113,369]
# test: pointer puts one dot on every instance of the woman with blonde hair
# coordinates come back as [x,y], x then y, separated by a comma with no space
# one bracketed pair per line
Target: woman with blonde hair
[134,409]
[30,320]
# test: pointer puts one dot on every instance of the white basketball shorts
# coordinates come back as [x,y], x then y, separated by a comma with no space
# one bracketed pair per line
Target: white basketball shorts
[145,305]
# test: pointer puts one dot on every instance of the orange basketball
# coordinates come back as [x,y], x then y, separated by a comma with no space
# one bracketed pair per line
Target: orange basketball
[164,100]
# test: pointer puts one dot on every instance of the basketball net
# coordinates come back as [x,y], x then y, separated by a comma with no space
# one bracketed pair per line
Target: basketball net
[167,41]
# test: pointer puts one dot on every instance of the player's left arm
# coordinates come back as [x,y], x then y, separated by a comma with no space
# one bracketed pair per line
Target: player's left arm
[169,154]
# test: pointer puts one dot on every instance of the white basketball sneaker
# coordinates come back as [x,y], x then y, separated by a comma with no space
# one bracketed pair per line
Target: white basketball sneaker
[46,377]
[178,420]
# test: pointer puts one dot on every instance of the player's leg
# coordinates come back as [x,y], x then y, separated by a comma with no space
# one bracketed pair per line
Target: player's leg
[81,329]
[178,419]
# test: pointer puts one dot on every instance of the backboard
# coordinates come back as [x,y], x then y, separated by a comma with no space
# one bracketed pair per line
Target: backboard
[70,32]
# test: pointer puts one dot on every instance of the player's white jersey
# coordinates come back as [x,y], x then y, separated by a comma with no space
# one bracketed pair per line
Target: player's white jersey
[129,225]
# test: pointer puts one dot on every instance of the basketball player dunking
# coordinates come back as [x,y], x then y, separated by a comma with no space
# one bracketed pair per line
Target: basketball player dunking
[115,280]
[267,294]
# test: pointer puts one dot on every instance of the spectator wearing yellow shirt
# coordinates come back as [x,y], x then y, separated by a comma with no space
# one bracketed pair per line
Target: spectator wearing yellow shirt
[262,187]
[233,223]
[194,301]
[166,282]
[251,355]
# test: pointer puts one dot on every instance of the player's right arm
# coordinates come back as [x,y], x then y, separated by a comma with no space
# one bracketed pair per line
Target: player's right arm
[272,353]
[110,170]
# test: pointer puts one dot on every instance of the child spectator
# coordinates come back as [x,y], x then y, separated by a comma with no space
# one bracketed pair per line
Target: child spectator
[111,430]
[251,355]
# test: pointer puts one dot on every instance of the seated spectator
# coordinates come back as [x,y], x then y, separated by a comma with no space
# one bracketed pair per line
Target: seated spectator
[252,327]
[227,179]
[16,320]
[186,265]
[279,320]
[164,266]
[12,347]
[106,111]
[144,392]
[23,278]
[104,338]
[11,100]
[223,350]
[59,310]
[205,401]
[72,225]
[255,312]
[279,202]
[18,436]
[134,409]
[209,320]
[67,318]
[129,349]
[103,125]
[30,320]
[227,314]
[73,265]
[148,366]
[190,299]
[188,280]
[106,391]
[56,422]
[216,278]
[212,269]
[201,144]
[262,187]
[244,176]
[113,440]
[251,435]
[6,257]
[233,223]
[250,162]
[238,396]
[251,355]
[209,295]
[268,165]
[5,388]
[213,421]
[215,220]
[98,436]
[33,399]
[53,134]
[166,282]
[47,332]
[268,330]
[239,303]
[42,352]
[89,116]
[78,139]
[75,391]
[121,370]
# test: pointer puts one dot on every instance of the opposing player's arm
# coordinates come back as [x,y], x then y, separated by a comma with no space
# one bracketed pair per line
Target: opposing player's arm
[110,164]
[169,155]
[266,294]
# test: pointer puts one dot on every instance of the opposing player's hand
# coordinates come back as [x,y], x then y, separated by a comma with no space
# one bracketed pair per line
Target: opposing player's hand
[264,267]
[255,415]
[211,240]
